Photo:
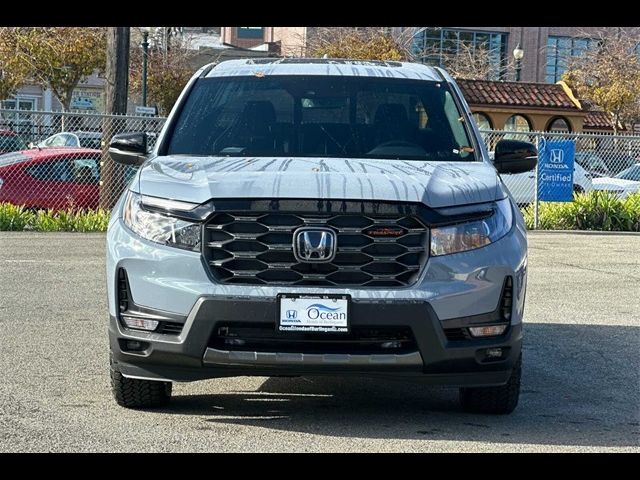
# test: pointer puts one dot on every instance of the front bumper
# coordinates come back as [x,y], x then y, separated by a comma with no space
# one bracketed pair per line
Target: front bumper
[453,291]
[190,356]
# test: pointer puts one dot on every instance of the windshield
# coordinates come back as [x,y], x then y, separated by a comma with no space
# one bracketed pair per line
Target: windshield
[631,173]
[321,116]
[11,143]
[592,163]
[91,142]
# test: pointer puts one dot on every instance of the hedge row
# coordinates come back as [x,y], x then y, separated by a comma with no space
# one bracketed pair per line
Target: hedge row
[591,211]
[598,210]
[18,218]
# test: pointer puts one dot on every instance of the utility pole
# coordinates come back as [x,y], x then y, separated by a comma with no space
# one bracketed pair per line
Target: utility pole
[117,76]
[145,57]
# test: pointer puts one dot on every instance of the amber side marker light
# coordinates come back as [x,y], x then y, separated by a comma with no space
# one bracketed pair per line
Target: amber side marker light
[488,331]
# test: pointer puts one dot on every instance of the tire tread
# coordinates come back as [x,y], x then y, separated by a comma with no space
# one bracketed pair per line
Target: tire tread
[497,400]
[135,393]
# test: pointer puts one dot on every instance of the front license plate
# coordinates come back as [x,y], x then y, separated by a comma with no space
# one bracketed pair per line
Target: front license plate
[313,313]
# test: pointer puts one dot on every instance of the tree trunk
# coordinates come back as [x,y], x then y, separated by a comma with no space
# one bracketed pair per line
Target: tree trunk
[117,77]
[65,102]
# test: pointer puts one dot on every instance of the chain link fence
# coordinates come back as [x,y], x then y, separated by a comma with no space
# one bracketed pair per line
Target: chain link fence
[602,162]
[53,160]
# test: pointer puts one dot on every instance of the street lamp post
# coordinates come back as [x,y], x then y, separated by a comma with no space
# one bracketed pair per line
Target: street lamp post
[518,54]
[145,55]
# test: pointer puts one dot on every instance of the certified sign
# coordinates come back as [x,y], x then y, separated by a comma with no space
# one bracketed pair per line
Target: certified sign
[555,170]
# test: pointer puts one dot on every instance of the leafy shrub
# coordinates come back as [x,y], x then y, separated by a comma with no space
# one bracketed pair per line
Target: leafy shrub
[14,217]
[598,210]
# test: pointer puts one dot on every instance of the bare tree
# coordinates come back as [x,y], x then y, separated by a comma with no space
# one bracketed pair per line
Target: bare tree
[169,69]
[471,61]
[360,43]
[607,74]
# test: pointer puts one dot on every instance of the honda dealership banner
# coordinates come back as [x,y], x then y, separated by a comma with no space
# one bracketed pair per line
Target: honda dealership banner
[555,170]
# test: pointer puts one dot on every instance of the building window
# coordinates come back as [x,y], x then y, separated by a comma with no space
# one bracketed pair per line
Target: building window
[433,45]
[517,123]
[559,124]
[20,121]
[559,50]
[482,121]
[250,32]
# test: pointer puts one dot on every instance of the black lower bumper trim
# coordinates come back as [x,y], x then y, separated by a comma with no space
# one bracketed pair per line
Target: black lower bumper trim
[188,356]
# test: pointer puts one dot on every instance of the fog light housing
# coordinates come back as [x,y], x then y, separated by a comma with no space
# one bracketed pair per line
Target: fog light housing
[487,331]
[137,323]
[493,352]
[138,346]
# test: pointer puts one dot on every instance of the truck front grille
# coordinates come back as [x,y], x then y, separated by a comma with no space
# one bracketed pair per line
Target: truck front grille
[373,250]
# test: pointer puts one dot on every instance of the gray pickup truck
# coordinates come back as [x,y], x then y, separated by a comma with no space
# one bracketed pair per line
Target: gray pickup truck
[318,217]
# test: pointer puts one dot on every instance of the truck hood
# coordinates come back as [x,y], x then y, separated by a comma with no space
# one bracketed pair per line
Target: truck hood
[435,184]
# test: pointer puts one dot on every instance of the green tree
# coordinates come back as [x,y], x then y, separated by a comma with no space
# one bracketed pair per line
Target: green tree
[13,72]
[59,58]
[608,75]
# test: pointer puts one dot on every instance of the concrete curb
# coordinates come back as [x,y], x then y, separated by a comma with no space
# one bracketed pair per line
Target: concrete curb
[581,232]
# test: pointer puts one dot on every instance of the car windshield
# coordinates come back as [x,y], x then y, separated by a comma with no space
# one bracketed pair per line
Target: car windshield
[11,143]
[321,116]
[592,163]
[631,173]
[91,142]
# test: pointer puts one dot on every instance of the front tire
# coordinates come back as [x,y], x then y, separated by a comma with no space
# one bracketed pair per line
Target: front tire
[497,400]
[134,393]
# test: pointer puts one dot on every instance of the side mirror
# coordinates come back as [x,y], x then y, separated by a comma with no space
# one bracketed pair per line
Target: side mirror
[129,148]
[514,156]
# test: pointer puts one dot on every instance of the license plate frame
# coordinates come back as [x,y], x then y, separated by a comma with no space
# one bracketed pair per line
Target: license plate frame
[306,325]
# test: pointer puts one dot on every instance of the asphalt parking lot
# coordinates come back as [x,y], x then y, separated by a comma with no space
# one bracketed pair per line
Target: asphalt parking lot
[580,391]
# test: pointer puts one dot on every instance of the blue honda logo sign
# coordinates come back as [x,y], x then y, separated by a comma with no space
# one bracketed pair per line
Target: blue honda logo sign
[555,170]
[291,314]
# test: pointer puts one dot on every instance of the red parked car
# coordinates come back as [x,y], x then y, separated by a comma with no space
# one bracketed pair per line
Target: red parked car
[51,178]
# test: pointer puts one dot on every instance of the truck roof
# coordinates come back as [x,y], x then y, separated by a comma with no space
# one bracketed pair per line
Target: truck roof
[325,66]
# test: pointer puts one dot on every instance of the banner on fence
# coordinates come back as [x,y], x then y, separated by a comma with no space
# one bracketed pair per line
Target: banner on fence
[555,170]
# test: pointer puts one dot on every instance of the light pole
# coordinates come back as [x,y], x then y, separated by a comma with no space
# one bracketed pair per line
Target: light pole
[518,54]
[145,56]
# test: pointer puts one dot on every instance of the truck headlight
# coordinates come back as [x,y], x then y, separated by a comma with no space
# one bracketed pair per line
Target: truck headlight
[159,228]
[470,235]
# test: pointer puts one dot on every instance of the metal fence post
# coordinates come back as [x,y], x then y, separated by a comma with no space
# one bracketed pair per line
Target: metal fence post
[536,202]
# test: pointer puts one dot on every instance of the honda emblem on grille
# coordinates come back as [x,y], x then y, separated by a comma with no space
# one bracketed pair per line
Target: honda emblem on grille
[314,245]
